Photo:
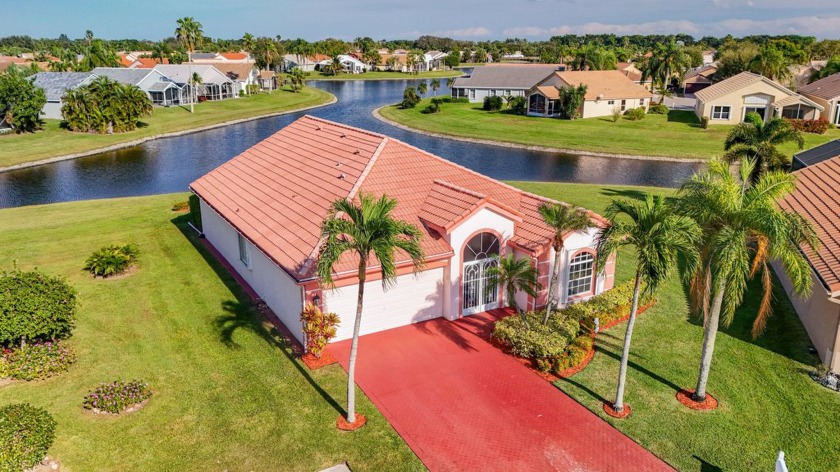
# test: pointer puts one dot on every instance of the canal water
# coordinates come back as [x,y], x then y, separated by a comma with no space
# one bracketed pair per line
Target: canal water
[170,164]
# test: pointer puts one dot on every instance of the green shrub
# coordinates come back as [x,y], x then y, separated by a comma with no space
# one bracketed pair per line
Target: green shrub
[35,306]
[810,126]
[493,103]
[5,372]
[537,341]
[318,328]
[616,114]
[518,105]
[112,260]
[39,361]
[410,98]
[704,122]
[26,434]
[574,354]
[658,109]
[195,211]
[117,396]
[433,107]
[635,114]
[181,206]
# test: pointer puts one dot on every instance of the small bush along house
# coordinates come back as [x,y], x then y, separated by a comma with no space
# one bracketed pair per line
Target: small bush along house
[263,209]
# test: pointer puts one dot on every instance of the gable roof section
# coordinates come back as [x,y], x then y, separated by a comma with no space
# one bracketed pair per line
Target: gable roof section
[735,83]
[278,192]
[124,76]
[56,84]
[826,88]
[506,76]
[447,205]
[180,73]
[242,70]
[817,198]
[604,84]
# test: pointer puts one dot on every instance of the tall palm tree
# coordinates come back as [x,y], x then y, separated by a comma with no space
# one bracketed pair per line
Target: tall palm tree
[771,63]
[562,219]
[757,140]
[161,52]
[743,230]
[422,88]
[365,230]
[435,86]
[190,34]
[450,82]
[601,59]
[248,42]
[515,275]
[297,78]
[665,63]
[660,238]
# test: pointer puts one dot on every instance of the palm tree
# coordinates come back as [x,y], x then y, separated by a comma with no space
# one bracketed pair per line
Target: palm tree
[660,237]
[601,59]
[831,67]
[771,63]
[190,34]
[248,42]
[88,37]
[665,63]
[422,88]
[743,230]
[297,78]
[435,86]
[562,219]
[450,82]
[363,231]
[161,52]
[515,274]
[757,140]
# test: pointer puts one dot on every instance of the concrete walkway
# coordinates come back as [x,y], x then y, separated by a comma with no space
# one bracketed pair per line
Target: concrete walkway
[463,405]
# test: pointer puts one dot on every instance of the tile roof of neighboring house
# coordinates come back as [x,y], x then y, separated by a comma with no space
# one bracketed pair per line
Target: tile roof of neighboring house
[122,75]
[124,60]
[240,70]
[816,154]
[506,76]
[147,63]
[735,83]
[827,88]
[817,198]
[277,192]
[319,58]
[267,74]
[794,99]
[702,71]
[56,84]
[549,92]
[204,55]
[180,73]
[604,84]
[234,56]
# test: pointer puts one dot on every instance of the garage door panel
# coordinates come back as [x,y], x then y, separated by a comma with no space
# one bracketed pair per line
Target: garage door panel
[410,300]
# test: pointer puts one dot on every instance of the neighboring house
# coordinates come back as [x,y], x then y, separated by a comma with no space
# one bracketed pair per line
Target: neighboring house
[55,85]
[393,61]
[351,64]
[268,80]
[801,73]
[817,199]
[698,78]
[242,74]
[501,79]
[214,85]
[728,101]
[304,63]
[146,63]
[708,56]
[214,58]
[160,89]
[635,74]
[434,60]
[606,91]
[262,211]
[826,92]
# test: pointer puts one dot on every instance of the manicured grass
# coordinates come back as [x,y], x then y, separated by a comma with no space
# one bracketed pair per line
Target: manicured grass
[676,135]
[386,75]
[227,394]
[768,402]
[54,141]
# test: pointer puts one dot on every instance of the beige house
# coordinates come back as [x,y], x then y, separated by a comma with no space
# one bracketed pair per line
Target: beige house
[826,92]
[817,198]
[606,91]
[728,101]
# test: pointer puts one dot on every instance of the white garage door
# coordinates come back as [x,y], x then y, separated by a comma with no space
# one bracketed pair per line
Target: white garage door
[412,299]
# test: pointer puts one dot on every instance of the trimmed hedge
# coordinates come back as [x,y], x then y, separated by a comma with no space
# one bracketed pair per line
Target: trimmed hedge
[35,306]
[538,340]
[493,103]
[810,126]
[26,434]
[658,109]
[574,354]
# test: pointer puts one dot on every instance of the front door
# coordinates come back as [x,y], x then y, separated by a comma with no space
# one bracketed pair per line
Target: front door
[480,287]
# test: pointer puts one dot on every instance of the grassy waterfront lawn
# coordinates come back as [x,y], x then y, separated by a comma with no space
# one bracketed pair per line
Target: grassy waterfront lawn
[676,135]
[53,141]
[386,75]
[768,403]
[241,405]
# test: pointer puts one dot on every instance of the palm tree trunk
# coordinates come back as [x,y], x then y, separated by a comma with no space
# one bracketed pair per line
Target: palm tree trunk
[625,354]
[354,346]
[552,281]
[709,336]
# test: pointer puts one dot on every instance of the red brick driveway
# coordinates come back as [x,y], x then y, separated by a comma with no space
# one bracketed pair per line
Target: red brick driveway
[463,405]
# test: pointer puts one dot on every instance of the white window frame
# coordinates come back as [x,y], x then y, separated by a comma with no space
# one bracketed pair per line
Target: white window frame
[586,280]
[610,102]
[244,250]
[720,112]
[472,94]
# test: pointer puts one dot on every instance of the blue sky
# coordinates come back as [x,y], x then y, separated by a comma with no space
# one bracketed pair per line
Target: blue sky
[461,19]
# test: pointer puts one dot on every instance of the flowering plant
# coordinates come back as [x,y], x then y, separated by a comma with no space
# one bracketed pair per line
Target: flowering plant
[39,361]
[117,396]
[318,327]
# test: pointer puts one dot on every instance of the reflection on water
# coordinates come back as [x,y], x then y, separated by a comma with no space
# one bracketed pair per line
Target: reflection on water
[169,165]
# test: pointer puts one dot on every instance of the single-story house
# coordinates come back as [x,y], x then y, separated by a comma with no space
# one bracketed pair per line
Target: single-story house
[606,91]
[500,80]
[220,57]
[434,60]
[55,85]
[242,74]
[801,73]
[268,80]
[263,209]
[698,78]
[635,74]
[393,62]
[826,92]
[817,198]
[303,62]
[351,64]
[160,89]
[728,101]
[214,84]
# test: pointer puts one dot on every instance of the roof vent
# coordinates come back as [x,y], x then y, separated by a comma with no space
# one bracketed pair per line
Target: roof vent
[318,127]
[342,176]
[343,135]
[338,164]
[357,152]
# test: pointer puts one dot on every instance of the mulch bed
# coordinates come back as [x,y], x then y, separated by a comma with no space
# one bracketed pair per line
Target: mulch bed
[684,397]
[315,363]
[342,424]
[625,412]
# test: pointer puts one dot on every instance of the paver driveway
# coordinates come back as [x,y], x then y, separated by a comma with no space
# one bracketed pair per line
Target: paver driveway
[461,404]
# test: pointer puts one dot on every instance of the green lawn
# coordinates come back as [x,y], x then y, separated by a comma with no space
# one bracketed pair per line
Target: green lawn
[675,135]
[768,403]
[386,75]
[227,395]
[54,141]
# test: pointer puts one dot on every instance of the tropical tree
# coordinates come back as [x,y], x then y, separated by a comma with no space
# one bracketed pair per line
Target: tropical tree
[98,54]
[365,230]
[266,52]
[88,37]
[757,140]
[601,59]
[190,34]
[422,88]
[515,275]
[105,106]
[660,238]
[743,230]
[450,82]
[248,42]
[372,57]
[161,52]
[771,63]
[666,62]
[831,67]
[297,78]
[562,219]
[435,86]
[20,101]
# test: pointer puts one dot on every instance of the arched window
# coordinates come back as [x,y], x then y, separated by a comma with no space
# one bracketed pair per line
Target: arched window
[481,246]
[581,269]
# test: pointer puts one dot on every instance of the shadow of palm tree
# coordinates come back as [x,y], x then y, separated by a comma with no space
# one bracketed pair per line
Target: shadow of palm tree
[707,467]
[584,388]
[636,366]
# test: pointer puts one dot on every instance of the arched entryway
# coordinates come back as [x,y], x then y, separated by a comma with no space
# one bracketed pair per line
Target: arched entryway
[480,291]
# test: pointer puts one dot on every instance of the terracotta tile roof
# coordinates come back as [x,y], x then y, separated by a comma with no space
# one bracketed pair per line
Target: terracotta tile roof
[124,60]
[549,92]
[447,205]
[147,63]
[604,84]
[817,198]
[234,56]
[235,70]
[278,192]
[827,88]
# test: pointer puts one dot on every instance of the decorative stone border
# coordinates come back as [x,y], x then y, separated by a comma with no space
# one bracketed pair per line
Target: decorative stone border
[684,396]
[131,409]
[342,424]
[624,413]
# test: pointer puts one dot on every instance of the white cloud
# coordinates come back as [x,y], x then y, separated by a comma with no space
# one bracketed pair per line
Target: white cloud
[477,32]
